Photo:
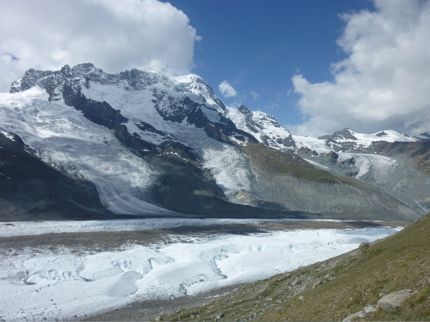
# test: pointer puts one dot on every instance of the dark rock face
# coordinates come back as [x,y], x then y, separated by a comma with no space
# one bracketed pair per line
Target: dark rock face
[103,114]
[289,141]
[32,77]
[179,149]
[339,135]
[224,131]
[149,128]
[425,135]
[306,152]
[134,142]
[98,112]
[381,134]
[349,167]
[334,141]
[331,157]
[249,122]
[192,111]
[30,189]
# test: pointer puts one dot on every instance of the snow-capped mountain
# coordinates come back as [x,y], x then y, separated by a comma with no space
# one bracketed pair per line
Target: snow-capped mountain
[262,126]
[117,123]
[397,163]
[347,139]
[142,143]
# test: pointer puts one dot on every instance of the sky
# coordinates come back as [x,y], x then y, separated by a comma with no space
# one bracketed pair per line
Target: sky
[257,46]
[317,66]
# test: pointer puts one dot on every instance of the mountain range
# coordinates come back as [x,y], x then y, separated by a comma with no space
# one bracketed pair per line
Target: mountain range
[80,143]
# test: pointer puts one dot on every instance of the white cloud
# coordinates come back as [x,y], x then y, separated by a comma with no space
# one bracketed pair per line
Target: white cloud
[226,89]
[254,95]
[112,34]
[384,80]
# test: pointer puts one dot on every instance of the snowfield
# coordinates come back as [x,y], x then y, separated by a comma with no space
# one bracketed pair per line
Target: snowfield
[39,283]
[315,144]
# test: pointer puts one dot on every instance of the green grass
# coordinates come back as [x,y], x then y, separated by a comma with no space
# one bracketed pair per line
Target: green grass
[336,288]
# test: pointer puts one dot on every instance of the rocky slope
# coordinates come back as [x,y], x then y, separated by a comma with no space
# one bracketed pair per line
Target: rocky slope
[149,144]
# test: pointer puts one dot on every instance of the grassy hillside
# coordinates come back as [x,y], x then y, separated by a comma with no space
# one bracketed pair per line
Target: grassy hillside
[334,289]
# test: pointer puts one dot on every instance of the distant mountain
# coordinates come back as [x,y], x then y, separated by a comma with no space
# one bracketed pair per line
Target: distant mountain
[143,143]
[396,163]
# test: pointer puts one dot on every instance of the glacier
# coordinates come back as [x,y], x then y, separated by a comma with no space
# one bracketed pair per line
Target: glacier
[42,283]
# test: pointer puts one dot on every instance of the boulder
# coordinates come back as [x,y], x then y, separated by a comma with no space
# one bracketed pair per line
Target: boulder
[393,301]
[368,309]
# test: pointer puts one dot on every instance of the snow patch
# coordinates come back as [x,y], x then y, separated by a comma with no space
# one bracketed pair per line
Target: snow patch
[315,144]
[229,168]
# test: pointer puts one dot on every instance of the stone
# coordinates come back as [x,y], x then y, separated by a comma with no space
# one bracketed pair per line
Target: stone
[394,300]
[317,283]
[369,309]
[354,316]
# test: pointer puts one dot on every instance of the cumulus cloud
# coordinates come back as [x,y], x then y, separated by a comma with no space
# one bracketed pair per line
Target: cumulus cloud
[384,80]
[112,34]
[226,89]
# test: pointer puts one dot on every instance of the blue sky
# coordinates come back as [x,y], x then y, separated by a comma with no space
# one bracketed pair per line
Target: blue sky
[258,46]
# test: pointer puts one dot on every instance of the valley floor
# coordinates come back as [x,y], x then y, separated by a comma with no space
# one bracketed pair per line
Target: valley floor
[151,267]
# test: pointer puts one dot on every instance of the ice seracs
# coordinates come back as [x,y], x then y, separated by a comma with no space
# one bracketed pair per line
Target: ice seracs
[40,283]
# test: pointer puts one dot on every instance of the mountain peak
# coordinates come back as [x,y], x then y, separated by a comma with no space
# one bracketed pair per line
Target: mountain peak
[263,126]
